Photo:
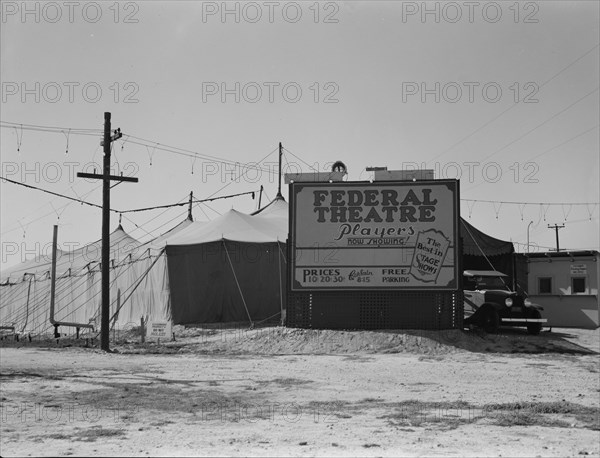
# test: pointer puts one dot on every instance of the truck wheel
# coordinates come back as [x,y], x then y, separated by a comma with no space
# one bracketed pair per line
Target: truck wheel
[534,328]
[490,321]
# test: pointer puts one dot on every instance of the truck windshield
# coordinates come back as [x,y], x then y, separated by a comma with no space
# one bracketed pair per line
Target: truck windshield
[490,283]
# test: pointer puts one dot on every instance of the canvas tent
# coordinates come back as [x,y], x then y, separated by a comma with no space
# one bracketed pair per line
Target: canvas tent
[138,277]
[230,269]
[233,268]
[480,250]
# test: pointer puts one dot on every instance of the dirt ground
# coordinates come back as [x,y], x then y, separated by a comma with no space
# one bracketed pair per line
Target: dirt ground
[287,392]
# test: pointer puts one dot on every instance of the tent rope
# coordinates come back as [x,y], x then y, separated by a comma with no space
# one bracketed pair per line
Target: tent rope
[238,284]
[268,318]
[281,251]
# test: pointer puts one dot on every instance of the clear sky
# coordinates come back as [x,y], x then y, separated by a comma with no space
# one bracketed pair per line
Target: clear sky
[504,94]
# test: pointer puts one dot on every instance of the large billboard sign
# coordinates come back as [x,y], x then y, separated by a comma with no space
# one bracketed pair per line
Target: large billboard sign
[370,236]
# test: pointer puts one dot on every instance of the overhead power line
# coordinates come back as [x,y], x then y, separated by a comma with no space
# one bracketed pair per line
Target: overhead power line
[564,143]
[53,193]
[20,127]
[209,199]
[178,204]
[512,106]
[150,145]
[568,107]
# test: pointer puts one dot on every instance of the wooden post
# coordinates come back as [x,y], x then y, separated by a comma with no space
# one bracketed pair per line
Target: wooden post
[53,280]
[556,227]
[116,314]
[190,217]
[280,155]
[104,322]
[106,178]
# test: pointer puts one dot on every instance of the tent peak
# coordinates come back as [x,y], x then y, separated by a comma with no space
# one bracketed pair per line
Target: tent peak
[278,199]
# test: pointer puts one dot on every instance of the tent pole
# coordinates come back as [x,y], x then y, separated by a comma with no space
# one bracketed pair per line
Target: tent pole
[53,322]
[280,288]
[53,277]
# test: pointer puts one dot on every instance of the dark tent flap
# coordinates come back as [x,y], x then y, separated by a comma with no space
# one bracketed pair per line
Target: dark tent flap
[226,281]
[474,242]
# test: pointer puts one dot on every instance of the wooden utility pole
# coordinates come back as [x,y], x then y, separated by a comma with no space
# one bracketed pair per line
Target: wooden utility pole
[556,227]
[190,217]
[106,178]
[280,155]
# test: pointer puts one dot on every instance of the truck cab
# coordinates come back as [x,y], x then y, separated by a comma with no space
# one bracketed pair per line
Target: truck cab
[489,303]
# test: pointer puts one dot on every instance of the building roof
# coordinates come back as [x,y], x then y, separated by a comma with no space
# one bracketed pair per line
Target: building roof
[561,254]
[483,273]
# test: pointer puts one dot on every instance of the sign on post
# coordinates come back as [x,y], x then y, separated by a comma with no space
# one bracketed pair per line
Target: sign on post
[382,235]
[159,330]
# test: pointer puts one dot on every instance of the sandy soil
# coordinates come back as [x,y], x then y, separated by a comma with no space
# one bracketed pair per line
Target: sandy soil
[288,392]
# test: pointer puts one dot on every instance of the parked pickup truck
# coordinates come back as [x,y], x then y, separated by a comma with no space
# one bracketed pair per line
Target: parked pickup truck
[489,303]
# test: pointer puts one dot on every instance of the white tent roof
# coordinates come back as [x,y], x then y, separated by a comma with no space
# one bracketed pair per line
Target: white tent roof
[278,208]
[159,242]
[121,244]
[270,224]
[234,226]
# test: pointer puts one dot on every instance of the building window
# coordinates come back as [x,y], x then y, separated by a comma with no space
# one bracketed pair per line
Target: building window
[545,285]
[577,285]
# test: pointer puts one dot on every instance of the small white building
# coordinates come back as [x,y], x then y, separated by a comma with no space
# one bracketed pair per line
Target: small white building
[565,283]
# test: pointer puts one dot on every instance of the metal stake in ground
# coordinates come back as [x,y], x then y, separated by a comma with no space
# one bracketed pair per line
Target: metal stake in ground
[106,178]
